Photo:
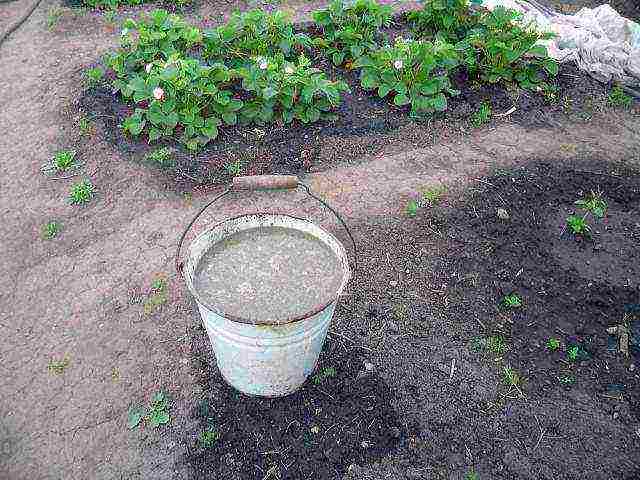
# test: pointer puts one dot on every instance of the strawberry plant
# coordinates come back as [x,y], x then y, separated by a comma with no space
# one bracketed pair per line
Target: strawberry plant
[94,76]
[114,4]
[350,29]
[153,38]
[111,4]
[448,18]
[181,93]
[254,33]
[287,90]
[414,72]
[502,49]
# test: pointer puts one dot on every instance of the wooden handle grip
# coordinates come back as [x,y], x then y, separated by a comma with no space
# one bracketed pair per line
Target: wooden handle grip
[265,182]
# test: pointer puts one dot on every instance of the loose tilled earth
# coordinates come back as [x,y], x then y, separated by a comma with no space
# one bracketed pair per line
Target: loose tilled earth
[416,392]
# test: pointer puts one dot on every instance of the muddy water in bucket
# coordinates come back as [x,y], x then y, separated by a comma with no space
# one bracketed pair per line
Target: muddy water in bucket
[268,273]
[266,286]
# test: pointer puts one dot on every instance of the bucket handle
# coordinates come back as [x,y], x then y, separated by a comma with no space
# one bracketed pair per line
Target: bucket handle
[265,182]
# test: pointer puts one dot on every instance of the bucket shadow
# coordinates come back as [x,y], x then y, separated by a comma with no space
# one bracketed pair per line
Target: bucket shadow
[341,416]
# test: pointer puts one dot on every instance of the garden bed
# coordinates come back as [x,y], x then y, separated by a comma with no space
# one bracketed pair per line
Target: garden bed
[363,123]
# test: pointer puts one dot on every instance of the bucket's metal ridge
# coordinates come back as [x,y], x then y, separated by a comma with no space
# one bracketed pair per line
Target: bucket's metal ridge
[272,357]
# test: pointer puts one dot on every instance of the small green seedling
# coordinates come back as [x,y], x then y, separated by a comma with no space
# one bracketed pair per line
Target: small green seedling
[162,157]
[81,192]
[63,160]
[412,208]
[400,312]
[550,93]
[432,196]
[54,15]
[94,76]
[618,97]
[553,344]
[327,372]
[85,126]
[472,475]
[209,437]
[478,344]
[59,366]
[566,379]
[156,414]
[159,284]
[578,225]
[594,203]
[50,230]
[495,344]
[511,377]
[234,168]
[513,300]
[157,297]
[482,115]
[575,353]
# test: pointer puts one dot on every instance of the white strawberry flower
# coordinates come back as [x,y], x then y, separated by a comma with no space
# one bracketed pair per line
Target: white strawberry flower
[158,93]
[398,64]
[263,64]
[288,70]
[124,32]
[148,67]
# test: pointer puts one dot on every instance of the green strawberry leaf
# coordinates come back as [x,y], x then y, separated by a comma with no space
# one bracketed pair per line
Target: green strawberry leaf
[401,100]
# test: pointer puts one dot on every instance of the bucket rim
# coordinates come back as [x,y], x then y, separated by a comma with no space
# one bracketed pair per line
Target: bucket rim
[342,257]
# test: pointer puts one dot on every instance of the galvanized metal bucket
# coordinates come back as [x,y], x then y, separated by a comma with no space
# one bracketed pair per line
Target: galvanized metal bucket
[268,358]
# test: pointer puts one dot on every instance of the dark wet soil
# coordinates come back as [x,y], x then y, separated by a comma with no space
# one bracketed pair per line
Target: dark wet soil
[363,124]
[573,288]
[336,420]
[454,262]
